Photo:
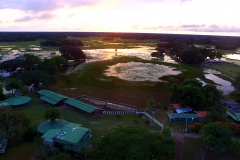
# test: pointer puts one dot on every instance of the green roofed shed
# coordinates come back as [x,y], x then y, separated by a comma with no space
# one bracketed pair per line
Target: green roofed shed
[18,100]
[51,97]
[82,106]
[47,125]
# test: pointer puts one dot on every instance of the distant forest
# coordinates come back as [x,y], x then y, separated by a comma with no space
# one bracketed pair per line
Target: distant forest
[221,42]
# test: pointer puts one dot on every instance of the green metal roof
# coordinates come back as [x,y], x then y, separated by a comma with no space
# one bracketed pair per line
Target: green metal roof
[80,105]
[235,116]
[47,125]
[52,95]
[4,104]
[51,133]
[70,133]
[49,100]
[15,101]
[182,115]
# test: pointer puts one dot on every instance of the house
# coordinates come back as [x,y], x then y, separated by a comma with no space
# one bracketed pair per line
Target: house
[179,109]
[183,117]
[69,136]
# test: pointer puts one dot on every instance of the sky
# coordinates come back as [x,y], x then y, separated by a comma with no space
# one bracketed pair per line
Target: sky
[208,17]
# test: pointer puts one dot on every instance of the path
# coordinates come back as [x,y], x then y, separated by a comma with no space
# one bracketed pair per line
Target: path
[150,117]
[179,137]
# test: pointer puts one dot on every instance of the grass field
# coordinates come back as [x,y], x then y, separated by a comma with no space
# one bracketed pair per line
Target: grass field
[100,125]
[91,81]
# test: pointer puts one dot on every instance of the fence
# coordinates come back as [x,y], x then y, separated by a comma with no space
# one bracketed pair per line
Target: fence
[119,112]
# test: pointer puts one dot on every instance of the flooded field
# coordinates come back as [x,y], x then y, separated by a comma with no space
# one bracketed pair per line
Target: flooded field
[137,71]
[143,52]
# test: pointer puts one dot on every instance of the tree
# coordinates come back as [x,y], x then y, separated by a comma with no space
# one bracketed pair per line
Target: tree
[212,94]
[52,114]
[153,105]
[13,123]
[59,60]
[48,66]
[13,84]
[36,77]
[192,96]
[213,116]
[217,137]
[86,151]
[174,96]
[135,143]
[72,53]
[191,56]
[30,61]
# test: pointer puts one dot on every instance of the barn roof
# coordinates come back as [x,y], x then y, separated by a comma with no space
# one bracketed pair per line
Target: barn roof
[51,97]
[80,105]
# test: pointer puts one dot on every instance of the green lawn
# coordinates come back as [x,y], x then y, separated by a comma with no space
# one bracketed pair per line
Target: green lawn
[100,125]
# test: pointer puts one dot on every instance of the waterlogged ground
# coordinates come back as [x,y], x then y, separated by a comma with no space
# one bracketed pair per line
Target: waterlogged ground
[143,52]
[137,71]
[8,52]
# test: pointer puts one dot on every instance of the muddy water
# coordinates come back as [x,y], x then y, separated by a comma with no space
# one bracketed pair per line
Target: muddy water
[137,71]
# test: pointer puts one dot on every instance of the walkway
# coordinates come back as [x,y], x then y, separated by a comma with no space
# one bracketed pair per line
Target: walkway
[150,117]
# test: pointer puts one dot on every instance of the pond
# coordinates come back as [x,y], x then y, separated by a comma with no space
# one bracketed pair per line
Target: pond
[137,71]
[223,85]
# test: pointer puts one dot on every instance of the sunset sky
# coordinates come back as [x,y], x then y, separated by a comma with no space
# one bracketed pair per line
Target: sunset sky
[213,17]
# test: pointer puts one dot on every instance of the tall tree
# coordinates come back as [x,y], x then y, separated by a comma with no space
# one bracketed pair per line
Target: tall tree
[13,123]
[52,114]
[135,143]
[30,60]
[217,137]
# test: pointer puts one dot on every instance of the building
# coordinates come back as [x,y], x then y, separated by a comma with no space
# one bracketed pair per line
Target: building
[69,136]
[183,117]
[231,104]
[201,115]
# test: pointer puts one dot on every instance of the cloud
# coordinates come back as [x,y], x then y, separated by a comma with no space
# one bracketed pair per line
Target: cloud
[44,5]
[37,17]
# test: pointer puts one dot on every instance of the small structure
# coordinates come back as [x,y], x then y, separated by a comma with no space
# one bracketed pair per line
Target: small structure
[71,137]
[17,101]
[201,115]
[234,114]
[3,145]
[183,117]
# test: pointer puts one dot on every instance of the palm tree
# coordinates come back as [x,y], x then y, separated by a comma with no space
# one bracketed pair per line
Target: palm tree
[52,114]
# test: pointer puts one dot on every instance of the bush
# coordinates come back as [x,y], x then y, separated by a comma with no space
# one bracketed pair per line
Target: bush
[31,134]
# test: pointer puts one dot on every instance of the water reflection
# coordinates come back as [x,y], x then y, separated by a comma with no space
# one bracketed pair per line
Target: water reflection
[143,52]
[233,56]
[223,85]
[137,71]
